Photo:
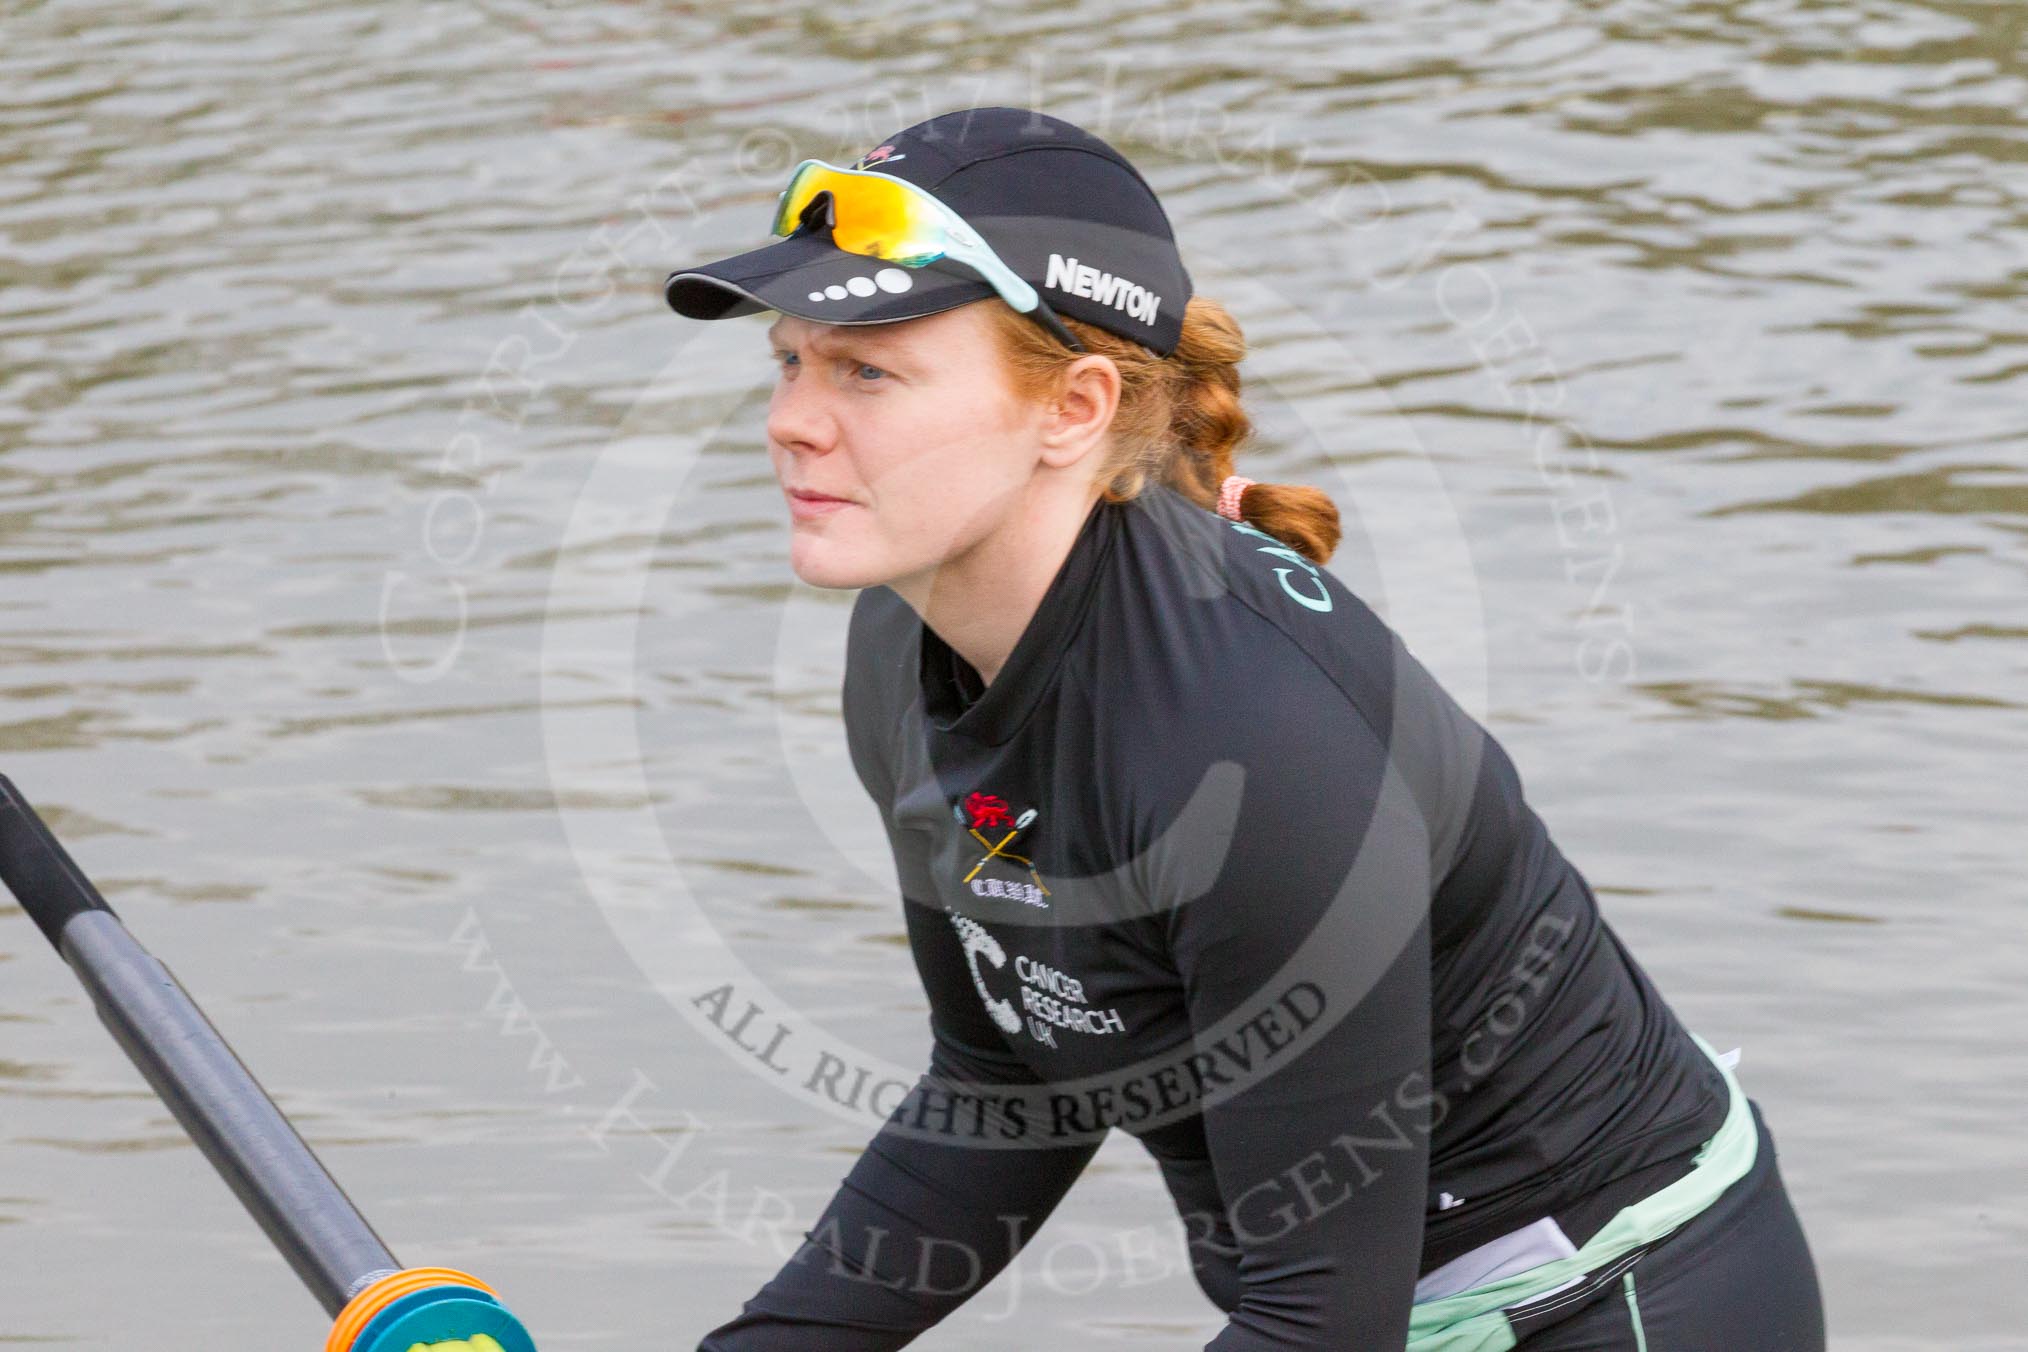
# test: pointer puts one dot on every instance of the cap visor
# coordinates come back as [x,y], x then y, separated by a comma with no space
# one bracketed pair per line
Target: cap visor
[808,276]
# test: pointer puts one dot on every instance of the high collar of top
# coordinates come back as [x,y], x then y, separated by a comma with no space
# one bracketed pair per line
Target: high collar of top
[951,688]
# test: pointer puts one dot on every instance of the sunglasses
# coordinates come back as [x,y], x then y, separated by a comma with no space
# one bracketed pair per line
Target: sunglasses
[879,216]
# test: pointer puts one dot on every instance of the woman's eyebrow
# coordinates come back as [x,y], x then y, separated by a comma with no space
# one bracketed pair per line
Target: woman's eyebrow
[845,341]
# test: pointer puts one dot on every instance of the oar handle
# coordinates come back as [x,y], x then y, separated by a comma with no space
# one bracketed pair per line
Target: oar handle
[218,1101]
[47,882]
[377,1305]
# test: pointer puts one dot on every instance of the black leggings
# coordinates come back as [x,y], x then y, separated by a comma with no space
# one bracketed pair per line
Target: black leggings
[1737,1277]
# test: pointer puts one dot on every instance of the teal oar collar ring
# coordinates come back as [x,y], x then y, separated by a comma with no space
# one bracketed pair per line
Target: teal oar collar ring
[377,1305]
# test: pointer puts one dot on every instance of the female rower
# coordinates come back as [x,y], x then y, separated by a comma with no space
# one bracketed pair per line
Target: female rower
[1188,843]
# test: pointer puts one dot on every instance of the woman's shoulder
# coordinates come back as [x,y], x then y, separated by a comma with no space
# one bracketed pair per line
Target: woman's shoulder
[881,654]
[1250,648]
[881,661]
[1240,617]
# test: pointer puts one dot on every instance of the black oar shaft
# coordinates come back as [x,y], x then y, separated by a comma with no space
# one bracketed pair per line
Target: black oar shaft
[232,1120]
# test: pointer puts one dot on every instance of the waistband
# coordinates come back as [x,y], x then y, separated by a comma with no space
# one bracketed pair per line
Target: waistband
[1474,1320]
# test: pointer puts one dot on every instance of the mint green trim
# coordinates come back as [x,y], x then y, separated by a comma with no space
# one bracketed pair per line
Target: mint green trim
[1634,1312]
[1475,1321]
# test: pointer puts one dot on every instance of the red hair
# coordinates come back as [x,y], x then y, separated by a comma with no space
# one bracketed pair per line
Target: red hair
[1179,420]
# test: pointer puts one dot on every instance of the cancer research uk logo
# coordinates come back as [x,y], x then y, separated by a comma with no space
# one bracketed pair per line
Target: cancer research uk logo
[1050,999]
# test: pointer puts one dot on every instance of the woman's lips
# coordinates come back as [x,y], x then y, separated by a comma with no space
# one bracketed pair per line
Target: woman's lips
[809,506]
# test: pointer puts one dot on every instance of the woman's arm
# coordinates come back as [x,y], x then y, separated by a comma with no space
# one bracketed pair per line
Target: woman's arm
[930,1212]
[1299,882]
[945,1195]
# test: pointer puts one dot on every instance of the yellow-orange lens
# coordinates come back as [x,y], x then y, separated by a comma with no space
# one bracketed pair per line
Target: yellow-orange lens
[795,198]
[875,217]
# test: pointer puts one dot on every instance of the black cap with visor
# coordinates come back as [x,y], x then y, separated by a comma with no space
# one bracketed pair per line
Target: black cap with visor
[1064,210]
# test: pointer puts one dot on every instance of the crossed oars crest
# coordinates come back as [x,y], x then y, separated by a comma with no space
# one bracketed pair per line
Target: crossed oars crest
[990,810]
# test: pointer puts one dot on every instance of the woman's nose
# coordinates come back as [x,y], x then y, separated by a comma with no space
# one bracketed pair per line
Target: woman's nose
[799,416]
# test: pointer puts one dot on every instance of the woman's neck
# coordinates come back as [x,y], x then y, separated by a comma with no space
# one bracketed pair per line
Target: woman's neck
[980,602]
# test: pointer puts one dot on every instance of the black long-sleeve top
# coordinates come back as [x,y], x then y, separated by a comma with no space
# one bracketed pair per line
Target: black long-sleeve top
[1216,861]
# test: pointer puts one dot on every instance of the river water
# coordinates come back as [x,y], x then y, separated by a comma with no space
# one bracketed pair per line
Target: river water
[395,614]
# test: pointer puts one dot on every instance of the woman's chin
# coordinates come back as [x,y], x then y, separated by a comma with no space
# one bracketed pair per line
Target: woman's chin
[818,562]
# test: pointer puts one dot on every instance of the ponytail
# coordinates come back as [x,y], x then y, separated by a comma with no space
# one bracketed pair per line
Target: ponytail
[1179,421]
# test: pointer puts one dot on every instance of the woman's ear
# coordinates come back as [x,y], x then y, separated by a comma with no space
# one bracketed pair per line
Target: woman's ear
[1082,411]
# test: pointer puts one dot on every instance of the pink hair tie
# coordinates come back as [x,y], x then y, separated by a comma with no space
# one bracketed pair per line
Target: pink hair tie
[1228,495]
